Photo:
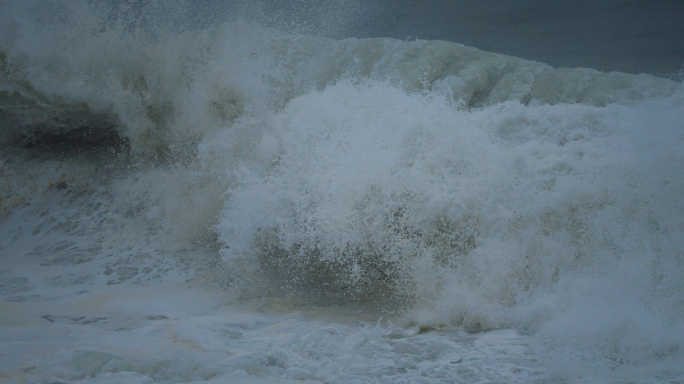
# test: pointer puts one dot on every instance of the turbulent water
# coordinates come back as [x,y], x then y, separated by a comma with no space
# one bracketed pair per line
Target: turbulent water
[235,204]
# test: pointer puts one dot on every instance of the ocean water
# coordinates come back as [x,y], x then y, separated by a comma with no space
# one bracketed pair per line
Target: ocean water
[260,199]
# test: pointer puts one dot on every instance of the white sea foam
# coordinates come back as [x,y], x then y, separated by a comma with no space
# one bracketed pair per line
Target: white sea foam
[449,189]
[559,220]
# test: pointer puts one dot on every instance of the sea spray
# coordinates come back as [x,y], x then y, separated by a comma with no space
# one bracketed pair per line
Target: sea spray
[444,185]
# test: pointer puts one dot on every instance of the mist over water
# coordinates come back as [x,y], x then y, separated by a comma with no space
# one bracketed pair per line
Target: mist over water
[239,192]
[608,35]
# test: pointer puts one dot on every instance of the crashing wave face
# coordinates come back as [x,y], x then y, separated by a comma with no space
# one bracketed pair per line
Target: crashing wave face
[459,186]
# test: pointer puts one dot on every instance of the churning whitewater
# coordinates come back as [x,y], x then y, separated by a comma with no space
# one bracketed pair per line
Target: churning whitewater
[237,204]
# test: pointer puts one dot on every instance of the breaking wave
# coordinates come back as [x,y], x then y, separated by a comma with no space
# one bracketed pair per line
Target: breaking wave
[453,185]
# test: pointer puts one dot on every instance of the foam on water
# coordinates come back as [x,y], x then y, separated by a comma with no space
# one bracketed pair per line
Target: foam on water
[448,189]
[171,333]
[561,221]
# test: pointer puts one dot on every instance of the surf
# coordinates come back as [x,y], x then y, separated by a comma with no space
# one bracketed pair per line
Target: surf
[439,185]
